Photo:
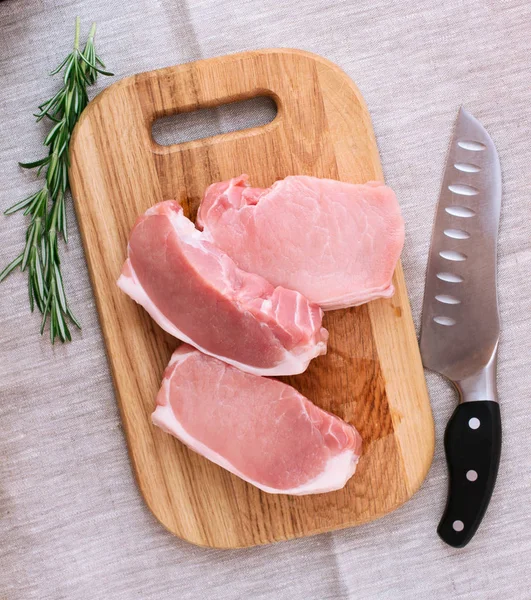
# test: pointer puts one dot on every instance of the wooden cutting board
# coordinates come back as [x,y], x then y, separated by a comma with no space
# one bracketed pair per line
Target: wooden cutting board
[372,375]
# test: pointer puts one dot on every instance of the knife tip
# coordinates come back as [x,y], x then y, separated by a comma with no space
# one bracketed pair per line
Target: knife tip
[464,115]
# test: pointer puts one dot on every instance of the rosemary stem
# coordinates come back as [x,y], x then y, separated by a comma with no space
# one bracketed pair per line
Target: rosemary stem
[76,35]
[46,207]
[55,209]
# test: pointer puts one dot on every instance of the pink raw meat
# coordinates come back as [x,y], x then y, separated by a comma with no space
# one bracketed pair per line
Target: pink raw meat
[260,429]
[336,243]
[195,292]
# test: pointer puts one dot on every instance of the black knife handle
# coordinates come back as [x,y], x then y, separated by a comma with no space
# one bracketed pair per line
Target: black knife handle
[472,443]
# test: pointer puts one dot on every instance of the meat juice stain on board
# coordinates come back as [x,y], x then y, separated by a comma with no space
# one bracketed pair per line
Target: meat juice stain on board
[339,370]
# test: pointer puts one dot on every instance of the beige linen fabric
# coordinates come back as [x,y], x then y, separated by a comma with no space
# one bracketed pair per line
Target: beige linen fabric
[73,525]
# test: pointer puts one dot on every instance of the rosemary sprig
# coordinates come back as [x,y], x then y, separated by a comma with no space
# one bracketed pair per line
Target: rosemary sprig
[46,207]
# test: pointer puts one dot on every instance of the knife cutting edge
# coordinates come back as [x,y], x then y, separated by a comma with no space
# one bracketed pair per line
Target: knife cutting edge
[460,322]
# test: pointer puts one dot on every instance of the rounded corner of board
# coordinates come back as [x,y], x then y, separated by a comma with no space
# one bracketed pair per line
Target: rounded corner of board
[105,95]
[89,110]
[169,526]
[190,537]
[298,53]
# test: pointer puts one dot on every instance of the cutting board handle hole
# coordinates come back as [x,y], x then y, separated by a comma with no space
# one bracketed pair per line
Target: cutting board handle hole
[208,122]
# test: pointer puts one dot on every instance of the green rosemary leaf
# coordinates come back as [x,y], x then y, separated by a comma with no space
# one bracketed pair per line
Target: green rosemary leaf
[82,75]
[35,163]
[53,133]
[66,164]
[93,65]
[45,311]
[57,69]
[38,275]
[52,243]
[22,204]
[83,99]
[64,226]
[51,168]
[39,170]
[34,271]
[60,322]
[76,102]
[68,101]
[53,99]
[27,248]
[59,217]
[56,182]
[60,289]
[44,253]
[73,318]
[38,301]
[30,295]
[11,266]
[52,322]
[62,149]
[40,117]
[69,66]
[38,198]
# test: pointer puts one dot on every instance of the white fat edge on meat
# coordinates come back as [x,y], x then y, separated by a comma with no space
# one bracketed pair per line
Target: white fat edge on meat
[195,238]
[291,364]
[340,302]
[344,301]
[338,469]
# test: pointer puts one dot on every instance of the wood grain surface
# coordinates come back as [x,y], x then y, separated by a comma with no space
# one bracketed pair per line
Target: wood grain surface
[372,375]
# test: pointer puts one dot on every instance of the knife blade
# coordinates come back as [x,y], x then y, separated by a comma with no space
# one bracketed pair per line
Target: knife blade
[460,325]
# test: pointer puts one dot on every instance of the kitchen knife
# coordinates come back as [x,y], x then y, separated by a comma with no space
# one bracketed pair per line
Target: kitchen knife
[460,322]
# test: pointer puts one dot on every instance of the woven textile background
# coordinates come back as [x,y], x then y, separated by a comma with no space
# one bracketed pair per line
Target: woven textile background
[72,523]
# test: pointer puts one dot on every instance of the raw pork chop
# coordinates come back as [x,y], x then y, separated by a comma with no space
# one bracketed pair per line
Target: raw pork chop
[260,429]
[336,243]
[195,292]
